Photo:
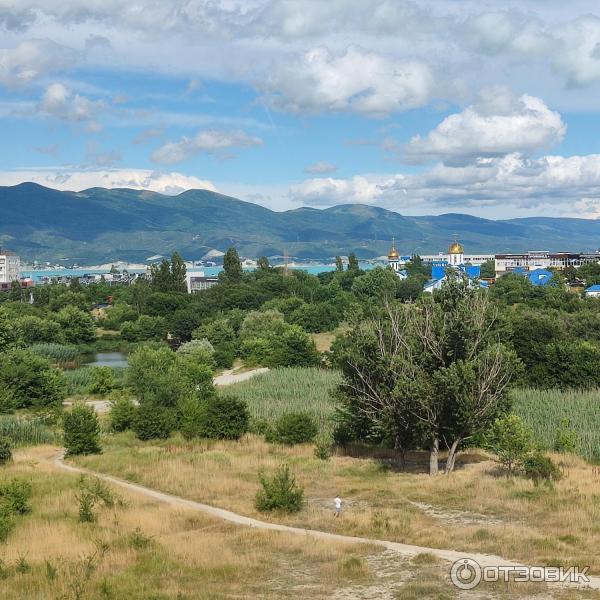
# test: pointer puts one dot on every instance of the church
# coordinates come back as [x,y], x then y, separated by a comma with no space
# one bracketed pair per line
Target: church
[469,265]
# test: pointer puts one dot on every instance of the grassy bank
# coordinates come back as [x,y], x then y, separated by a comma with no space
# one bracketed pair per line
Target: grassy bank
[544,410]
[290,389]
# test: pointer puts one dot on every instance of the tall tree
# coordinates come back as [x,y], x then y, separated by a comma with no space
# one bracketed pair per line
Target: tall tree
[263,263]
[178,272]
[353,262]
[232,266]
[339,265]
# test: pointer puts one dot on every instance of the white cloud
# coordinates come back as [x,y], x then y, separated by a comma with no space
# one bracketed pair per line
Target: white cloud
[139,179]
[356,80]
[495,187]
[321,167]
[61,103]
[211,141]
[498,123]
[30,60]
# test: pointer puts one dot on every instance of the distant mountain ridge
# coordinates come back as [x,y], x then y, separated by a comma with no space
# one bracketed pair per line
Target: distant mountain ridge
[103,225]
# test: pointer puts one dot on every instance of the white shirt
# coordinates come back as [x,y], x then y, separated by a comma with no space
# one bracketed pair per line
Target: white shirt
[338,503]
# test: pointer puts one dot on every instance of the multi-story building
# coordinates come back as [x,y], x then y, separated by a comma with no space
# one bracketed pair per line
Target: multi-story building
[196,281]
[10,267]
[542,259]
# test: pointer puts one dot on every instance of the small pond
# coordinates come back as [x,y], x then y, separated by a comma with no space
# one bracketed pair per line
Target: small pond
[106,359]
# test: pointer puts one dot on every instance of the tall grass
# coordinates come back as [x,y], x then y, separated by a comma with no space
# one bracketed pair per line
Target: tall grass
[544,410]
[26,431]
[57,353]
[289,389]
[79,380]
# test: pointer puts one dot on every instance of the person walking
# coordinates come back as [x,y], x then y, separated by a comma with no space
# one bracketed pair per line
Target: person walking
[338,506]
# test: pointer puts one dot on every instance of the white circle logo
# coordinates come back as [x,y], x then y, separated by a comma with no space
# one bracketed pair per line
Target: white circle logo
[466,574]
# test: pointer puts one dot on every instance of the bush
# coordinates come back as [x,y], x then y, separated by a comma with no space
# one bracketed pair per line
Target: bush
[567,439]
[294,428]
[122,413]
[15,496]
[153,421]
[539,467]
[102,380]
[323,449]
[5,450]
[279,492]
[224,418]
[200,351]
[7,524]
[511,440]
[81,431]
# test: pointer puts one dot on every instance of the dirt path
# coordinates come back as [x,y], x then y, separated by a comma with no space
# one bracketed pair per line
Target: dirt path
[484,560]
[231,377]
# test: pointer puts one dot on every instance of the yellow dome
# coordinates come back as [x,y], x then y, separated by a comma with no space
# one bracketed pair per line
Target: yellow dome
[393,253]
[456,248]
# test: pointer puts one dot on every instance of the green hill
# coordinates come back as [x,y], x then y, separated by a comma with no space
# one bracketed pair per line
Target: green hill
[101,225]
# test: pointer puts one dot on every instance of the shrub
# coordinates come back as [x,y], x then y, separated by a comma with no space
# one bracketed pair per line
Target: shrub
[153,421]
[7,524]
[81,431]
[86,506]
[122,413]
[102,380]
[200,351]
[279,492]
[224,418]
[190,417]
[15,496]
[323,449]
[295,428]
[567,439]
[5,450]
[539,467]
[511,440]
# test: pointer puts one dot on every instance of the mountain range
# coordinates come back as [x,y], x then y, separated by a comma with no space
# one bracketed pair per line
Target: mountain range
[104,225]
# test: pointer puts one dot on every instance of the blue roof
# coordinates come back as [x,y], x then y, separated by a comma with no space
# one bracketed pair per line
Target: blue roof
[540,276]
[593,288]
[438,271]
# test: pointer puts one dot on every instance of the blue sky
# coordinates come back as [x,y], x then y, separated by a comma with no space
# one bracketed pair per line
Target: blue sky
[421,107]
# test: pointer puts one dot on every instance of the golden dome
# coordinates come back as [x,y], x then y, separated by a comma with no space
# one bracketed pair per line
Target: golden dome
[393,253]
[456,248]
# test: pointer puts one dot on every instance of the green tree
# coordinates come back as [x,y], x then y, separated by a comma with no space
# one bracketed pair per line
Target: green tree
[353,262]
[263,264]
[81,431]
[29,381]
[232,266]
[102,381]
[9,334]
[339,265]
[488,269]
[415,267]
[511,440]
[178,273]
[78,326]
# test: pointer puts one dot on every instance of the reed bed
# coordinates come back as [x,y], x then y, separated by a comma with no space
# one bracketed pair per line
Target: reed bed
[289,389]
[26,431]
[545,410]
[57,353]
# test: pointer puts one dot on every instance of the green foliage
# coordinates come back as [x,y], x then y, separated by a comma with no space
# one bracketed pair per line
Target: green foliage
[294,428]
[122,413]
[144,328]
[232,267]
[539,468]
[78,327]
[353,262]
[102,380]
[323,448]
[222,336]
[36,330]
[198,350]
[279,391]
[153,421]
[223,418]
[546,411]
[57,353]
[5,450]
[169,276]
[488,269]
[378,283]
[81,431]
[9,334]
[280,492]
[29,381]
[15,495]
[191,416]
[90,493]
[22,431]
[77,381]
[511,440]
[567,439]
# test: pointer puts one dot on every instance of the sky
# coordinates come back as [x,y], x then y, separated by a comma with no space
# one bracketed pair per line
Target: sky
[427,107]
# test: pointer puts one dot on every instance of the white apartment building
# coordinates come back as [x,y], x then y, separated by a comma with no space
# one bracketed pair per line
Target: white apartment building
[10,267]
[542,259]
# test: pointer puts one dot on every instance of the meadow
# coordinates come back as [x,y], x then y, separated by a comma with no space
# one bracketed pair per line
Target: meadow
[545,410]
[25,431]
[289,389]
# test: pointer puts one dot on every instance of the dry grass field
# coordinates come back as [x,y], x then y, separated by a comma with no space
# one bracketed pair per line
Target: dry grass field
[142,549]
[473,510]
